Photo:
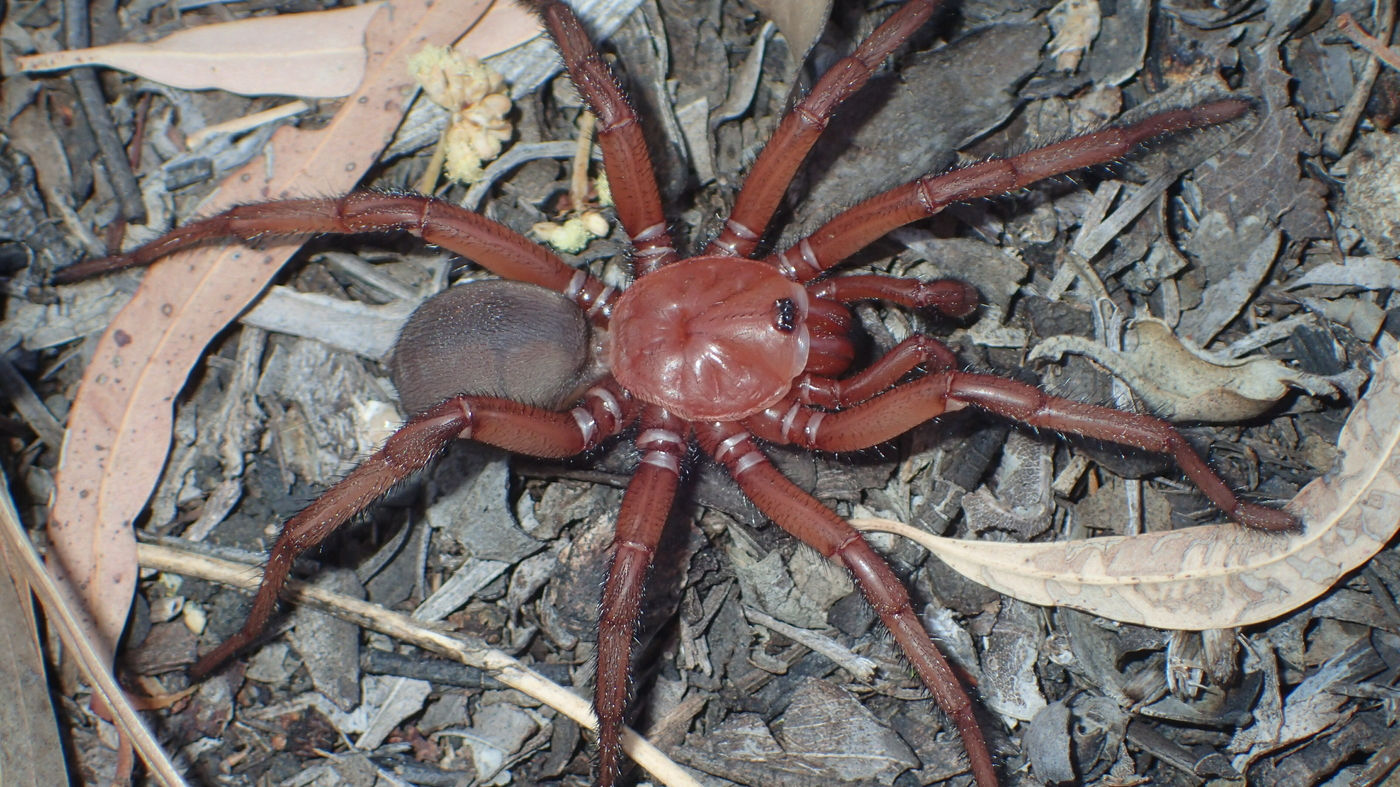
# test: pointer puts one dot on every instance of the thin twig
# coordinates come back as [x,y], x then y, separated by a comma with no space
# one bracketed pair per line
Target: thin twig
[1335,142]
[578,180]
[94,105]
[1368,42]
[501,665]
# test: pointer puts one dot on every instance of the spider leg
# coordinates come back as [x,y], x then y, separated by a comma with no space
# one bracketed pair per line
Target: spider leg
[856,228]
[953,297]
[816,525]
[818,387]
[630,173]
[918,350]
[904,407]
[799,130]
[499,422]
[490,244]
[645,506]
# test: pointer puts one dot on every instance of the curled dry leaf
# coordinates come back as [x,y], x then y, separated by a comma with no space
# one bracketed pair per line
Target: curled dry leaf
[1215,576]
[1180,381]
[119,427]
[319,54]
[800,22]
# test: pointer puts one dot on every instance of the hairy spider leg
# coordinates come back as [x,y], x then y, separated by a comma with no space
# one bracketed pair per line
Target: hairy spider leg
[625,155]
[800,129]
[488,243]
[606,409]
[902,408]
[819,527]
[662,440]
[852,230]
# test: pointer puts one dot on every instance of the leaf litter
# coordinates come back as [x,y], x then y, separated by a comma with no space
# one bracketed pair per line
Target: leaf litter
[316,55]
[1165,262]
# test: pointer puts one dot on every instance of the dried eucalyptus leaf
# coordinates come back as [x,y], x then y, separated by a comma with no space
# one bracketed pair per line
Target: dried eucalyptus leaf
[1179,381]
[800,22]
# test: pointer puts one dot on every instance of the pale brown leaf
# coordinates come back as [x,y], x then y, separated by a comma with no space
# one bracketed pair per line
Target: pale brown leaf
[1217,576]
[119,427]
[800,21]
[506,26]
[319,54]
[1180,381]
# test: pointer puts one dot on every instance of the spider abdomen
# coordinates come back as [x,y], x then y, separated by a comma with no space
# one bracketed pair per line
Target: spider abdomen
[497,338]
[710,338]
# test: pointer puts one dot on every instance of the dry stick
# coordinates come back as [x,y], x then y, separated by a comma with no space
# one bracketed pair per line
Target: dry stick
[247,123]
[95,668]
[94,105]
[1370,43]
[517,155]
[1335,141]
[502,666]
[578,181]
[116,231]
[427,184]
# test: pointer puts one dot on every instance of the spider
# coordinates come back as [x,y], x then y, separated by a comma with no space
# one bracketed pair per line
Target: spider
[726,349]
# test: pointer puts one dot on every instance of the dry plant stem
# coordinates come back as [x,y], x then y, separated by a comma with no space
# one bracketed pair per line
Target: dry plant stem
[78,35]
[719,349]
[578,178]
[245,123]
[1370,43]
[1339,135]
[501,665]
[427,184]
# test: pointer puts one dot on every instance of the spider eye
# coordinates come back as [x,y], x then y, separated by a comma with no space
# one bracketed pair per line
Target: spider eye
[786,321]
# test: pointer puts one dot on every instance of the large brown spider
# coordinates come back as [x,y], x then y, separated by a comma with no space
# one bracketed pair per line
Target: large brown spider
[716,349]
